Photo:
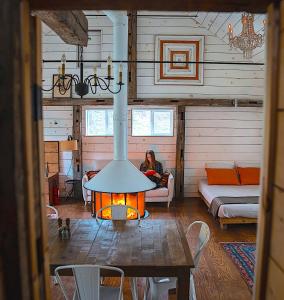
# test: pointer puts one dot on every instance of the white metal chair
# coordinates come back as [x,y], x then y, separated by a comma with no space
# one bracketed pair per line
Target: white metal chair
[118,212]
[87,283]
[54,214]
[158,287]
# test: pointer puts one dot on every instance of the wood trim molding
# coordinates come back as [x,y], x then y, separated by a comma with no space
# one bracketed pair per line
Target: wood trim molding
[77,135]
[43,249]
[180,145]
[155,101]
[254,6]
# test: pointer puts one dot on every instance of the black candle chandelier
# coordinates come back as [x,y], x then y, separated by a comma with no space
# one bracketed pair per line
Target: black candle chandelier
[82,86]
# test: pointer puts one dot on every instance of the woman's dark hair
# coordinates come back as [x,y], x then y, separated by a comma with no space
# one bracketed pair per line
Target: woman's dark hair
[147,163]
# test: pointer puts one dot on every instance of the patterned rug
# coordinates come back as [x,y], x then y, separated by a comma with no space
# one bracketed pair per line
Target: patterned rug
[243,255]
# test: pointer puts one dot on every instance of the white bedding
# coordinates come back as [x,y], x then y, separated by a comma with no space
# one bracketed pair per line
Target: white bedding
[210,192]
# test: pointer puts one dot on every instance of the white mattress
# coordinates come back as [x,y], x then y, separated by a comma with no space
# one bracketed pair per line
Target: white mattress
[210,192]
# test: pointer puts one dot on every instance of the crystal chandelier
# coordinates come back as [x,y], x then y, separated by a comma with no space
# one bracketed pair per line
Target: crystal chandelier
[247,40]
[90,83]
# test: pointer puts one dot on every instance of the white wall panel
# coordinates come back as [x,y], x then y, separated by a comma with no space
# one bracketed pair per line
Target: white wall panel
[219,134]
[53,48]
[220,81]
[57,125]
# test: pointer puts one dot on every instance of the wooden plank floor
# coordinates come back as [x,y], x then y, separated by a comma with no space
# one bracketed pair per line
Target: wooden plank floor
[217,277]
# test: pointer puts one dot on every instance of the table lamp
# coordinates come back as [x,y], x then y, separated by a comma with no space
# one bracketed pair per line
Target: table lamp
[69,145]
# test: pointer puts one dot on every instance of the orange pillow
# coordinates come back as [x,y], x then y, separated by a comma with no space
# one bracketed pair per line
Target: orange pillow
[222,176]
[249,175]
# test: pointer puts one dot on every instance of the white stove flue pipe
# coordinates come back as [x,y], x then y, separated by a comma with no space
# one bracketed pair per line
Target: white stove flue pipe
[120,100]
[120,175]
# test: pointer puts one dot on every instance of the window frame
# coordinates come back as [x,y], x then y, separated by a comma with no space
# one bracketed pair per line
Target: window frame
[106,121]
[152,121]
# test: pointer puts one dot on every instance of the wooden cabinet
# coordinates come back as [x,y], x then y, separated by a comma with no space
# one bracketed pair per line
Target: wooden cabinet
[52,183]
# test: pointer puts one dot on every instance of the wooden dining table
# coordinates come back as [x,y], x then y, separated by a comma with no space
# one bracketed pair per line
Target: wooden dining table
[151,248]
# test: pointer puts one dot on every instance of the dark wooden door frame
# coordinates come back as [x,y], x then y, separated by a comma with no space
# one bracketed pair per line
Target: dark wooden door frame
[22,247]
[269,164]
[255,6]
[23,265]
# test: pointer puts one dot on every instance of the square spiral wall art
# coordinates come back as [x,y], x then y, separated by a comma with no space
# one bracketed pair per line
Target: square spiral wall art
[179,51]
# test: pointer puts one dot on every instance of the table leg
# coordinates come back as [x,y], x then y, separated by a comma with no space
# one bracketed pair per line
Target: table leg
[183,280]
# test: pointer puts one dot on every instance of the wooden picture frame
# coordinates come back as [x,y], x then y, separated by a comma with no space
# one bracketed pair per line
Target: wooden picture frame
[179,48]
[56,93]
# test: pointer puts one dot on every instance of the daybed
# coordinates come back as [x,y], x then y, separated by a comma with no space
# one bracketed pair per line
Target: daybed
[164,194]
[231,204]
[231,213]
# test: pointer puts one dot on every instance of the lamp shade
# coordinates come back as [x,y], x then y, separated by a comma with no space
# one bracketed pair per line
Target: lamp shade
[69,145]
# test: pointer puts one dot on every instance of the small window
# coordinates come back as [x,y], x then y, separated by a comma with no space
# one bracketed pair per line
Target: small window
[99,122]
[152,122]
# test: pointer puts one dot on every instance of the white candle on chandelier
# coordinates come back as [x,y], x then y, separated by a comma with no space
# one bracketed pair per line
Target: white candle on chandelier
[120,73]
[63,62]
[95,75]
[230,29]
[109,66]
[95,71]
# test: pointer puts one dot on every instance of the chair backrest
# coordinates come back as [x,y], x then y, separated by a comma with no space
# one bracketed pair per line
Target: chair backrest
[203,238]
[87,281]
[53,215]
[118,212]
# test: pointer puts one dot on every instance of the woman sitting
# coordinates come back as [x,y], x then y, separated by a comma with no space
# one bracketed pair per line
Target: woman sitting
[152,168]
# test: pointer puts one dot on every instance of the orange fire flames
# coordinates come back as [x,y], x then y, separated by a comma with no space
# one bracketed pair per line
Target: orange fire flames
[136,200]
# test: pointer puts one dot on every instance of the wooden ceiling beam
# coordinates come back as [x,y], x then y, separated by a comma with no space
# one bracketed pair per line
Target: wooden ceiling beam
[71,26]
[132,54]
[154,101]
[254,6]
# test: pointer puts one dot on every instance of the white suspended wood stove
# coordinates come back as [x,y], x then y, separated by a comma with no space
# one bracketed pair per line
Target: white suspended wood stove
[120,182]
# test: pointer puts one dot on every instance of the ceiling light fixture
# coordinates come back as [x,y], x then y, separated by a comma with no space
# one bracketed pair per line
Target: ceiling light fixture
[90,83]
[247,40]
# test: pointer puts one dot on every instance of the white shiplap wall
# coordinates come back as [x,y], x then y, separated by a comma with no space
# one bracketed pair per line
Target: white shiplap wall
[220,134]
[57,125]
[220,81]
[217,24]
[101,148]
[57,122]
[53,48]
